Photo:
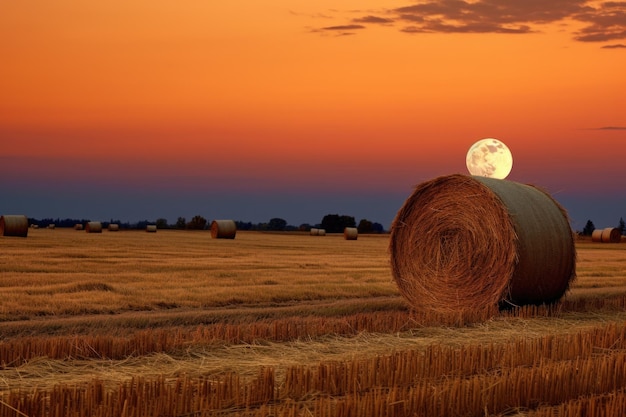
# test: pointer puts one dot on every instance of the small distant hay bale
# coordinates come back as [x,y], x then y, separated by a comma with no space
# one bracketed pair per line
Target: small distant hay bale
[93,227]
[223,229]
[34,226]
[350,233]
[463,244]
[14,225]
[51,226]
[78,226]
[151,228]
[314,231]
[596,235]
[611,235]
[113,227]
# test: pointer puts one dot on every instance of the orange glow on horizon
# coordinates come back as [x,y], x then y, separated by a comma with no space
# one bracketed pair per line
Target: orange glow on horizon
[277,89]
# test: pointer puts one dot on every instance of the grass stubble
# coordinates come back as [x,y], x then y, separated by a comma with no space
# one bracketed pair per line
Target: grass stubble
[291,310]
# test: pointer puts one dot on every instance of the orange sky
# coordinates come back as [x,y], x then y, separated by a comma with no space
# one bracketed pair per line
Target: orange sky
[364,94]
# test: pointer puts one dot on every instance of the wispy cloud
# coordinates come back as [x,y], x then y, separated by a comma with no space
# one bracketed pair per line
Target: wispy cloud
[343,27]
[602,21]
[373,19]
[612,128]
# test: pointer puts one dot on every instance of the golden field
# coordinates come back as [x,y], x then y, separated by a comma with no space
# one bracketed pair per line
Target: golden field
[176,323]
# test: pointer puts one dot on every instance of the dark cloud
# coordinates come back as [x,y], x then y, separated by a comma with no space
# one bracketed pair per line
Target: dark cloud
[612,128]
[602,21]
[372,19]
[615,46]
[344,27]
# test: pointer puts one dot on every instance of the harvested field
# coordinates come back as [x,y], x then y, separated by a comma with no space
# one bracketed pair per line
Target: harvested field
[180,324]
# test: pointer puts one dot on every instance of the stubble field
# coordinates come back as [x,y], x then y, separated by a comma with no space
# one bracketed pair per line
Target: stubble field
[175,323]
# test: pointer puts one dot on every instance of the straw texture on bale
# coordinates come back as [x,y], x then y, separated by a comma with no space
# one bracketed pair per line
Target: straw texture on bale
[350,233]
[14,225]
[93,227]
[223,229]
[151,228]
[462,243]
[113,227]
[611,235]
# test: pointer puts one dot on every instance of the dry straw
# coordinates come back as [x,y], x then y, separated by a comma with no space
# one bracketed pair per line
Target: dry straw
[350,233]
[14,225]
[93,227]
[462,243]
[151,228]
[223,229]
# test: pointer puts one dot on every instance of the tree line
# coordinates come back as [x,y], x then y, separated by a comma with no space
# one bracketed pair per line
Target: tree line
[590,227]
[332,223]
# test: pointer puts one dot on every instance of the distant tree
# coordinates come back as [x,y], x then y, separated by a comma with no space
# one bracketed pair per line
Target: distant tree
[161,223]
[589,228]
[141,225]
[181,222]
[622,226]
[377,228]
[197,223]
[365,226]
[277,224]
[243,225]
[334,223]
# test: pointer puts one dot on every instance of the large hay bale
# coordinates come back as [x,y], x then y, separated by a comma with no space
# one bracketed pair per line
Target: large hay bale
[350,233]
[223,229]
[14,225]
[93,227]
[469,244]
[611,235]
[151,228]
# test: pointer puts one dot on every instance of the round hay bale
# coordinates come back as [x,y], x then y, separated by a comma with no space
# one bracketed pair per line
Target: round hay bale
[321,232]
[93,227]
[596,235]
[78,226]
[113,227]
[350,233]
[611,235]
[470,244]
[223,229]
[14,225]
[314,231]
[151,228]
[51,226]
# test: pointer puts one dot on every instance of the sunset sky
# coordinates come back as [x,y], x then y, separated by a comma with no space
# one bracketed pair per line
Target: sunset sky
[249,110]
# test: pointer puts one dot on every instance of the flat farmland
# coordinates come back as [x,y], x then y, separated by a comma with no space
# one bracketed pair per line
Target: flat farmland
[176,323]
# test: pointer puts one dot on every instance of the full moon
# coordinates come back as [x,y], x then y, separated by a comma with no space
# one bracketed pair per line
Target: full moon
[489,158]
